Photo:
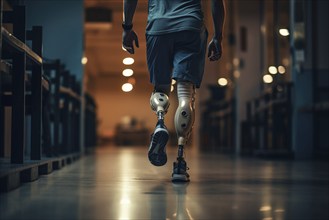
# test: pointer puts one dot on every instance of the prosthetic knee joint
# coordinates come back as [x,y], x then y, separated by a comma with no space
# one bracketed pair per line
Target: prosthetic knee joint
[159,102]
[184,117]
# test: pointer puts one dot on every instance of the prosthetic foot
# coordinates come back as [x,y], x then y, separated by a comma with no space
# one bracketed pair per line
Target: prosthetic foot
[157,150]
[180,167]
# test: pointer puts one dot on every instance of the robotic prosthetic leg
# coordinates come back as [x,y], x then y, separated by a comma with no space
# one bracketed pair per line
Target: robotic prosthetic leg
[184,120]
[184,117]
[159,102]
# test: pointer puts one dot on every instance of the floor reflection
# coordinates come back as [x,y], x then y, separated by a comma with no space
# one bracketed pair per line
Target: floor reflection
[120,183]
[182,211]
[158,202]
[168,201]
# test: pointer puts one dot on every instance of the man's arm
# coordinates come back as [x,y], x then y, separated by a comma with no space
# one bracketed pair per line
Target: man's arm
[218,15]
[129,8]
[128,35]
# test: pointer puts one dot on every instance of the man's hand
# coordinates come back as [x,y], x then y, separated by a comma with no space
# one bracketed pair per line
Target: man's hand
[128,38]
[215,49]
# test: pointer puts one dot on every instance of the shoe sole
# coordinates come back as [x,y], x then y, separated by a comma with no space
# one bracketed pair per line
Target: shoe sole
[176,178]
[157,154]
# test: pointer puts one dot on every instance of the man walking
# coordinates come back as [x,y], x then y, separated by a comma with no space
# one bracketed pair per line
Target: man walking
[176,40]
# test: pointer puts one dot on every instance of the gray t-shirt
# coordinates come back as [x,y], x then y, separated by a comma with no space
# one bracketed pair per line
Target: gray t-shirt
[168,16]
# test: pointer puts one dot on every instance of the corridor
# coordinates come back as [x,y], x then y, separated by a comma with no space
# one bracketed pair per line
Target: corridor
[73,104]
[120,183]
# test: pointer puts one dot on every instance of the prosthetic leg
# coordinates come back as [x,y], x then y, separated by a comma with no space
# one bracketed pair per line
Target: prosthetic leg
[184,120]
[159,102]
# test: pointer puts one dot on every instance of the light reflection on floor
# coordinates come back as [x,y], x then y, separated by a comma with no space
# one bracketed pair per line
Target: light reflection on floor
[120,183]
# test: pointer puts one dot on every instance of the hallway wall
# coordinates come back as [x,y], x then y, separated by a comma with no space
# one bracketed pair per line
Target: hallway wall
[310,76]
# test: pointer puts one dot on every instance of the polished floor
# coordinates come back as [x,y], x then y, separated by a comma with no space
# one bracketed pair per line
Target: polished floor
[120,183]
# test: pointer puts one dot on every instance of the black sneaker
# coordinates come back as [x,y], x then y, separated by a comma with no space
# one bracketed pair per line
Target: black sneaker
[179,172]
[157,150]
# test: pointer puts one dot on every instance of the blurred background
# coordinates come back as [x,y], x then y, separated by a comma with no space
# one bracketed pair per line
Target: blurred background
[267,96]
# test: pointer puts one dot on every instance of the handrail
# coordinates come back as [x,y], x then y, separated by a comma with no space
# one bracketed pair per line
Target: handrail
[70,92]
[19,45]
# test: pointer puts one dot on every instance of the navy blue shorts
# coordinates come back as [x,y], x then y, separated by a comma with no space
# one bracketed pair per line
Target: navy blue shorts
[179,56]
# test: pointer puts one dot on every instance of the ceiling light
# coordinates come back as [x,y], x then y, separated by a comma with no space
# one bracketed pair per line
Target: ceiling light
[222,82]
[127,87]
[236,62]
[84,60]
[267,78]
[127,72]
[284,32]
[128,61]
[272,70]
[236,74]
[281,69]
[263,29]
